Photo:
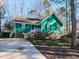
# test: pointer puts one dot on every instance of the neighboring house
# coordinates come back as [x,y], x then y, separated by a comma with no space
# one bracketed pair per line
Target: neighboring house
[51,24]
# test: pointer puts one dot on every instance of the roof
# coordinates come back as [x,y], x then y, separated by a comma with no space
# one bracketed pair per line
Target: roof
[56,18]
[23,20]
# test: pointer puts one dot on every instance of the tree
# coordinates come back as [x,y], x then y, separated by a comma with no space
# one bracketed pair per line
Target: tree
[2,12]
[73,19]
[37,8]
[63,12]
[8,25]
[41,9]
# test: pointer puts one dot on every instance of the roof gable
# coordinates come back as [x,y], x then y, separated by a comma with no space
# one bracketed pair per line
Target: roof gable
[54,17]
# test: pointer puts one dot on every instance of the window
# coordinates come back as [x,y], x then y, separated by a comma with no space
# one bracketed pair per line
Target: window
[58,27]
[48,27]
[33,27]
[23,26]
[18,25]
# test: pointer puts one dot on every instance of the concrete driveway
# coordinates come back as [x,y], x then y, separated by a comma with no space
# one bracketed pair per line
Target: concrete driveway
[18,49]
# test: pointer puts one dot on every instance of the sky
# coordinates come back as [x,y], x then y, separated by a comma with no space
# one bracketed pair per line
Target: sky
[14,8]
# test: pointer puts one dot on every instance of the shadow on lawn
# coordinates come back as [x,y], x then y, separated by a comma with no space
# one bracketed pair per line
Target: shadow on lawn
[56,48]
[59,52]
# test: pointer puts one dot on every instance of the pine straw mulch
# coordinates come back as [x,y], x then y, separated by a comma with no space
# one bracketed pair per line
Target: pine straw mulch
[58,52]
[55,51]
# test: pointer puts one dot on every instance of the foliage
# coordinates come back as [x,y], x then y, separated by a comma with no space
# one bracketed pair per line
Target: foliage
[50,42]
[8,25]
[78,36]
[65,40]
[37,9]
[40,35]
[5,35]
[69,35]
[36,35]
[40,9]
[61,11]
[0,35]
[41,38]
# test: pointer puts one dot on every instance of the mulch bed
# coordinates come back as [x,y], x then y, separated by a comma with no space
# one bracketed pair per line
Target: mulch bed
[58,52]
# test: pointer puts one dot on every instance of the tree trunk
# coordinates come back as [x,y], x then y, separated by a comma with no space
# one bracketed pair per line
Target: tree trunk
[0,23]
[73,19]
[67,30]
[0,26]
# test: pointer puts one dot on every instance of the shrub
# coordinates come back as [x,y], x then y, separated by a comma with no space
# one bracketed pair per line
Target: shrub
[40,35]
[65,40]
[69,35]
[5,34]
[0,35]
[36,35]
[78,36]
[30,35]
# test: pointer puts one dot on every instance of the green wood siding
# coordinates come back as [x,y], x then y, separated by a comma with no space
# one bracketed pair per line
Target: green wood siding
[18,25]
[27,28]
[49,25]
[53,22]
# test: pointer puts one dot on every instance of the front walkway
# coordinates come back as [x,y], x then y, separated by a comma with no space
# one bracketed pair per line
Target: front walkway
[18,49]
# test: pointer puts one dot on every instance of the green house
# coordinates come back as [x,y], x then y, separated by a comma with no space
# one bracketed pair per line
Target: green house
[51,24]
[24,25]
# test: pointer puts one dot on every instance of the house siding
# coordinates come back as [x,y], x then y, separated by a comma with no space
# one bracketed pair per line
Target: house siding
[49,25]
[53,22]
[27,27]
